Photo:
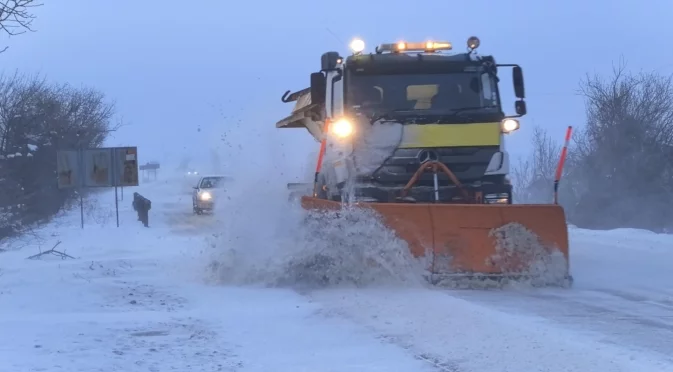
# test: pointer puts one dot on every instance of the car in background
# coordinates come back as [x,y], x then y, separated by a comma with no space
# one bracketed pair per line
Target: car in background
[205,192]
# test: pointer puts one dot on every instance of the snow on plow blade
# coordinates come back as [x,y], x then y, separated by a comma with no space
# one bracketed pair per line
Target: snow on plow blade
[478,241]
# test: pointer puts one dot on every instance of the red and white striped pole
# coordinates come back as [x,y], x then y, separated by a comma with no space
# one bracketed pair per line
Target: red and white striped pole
[321,155]
[561,163]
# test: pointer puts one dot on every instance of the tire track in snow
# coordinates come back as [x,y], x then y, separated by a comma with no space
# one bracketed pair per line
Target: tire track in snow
[494,330]
[437,362]
[619,318]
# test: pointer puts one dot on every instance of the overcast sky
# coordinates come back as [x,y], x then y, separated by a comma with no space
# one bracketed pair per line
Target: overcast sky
[186,76]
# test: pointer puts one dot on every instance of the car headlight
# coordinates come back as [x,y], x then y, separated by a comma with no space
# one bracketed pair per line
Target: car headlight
[509,125]
[205,196]
[342,128]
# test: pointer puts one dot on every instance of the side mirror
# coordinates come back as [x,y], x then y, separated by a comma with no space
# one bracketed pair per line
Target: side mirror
[520,107]
[517,78]
[329,60]
[318,88]
[195,187]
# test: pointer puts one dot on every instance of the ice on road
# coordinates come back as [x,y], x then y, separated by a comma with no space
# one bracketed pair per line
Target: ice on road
[134,299]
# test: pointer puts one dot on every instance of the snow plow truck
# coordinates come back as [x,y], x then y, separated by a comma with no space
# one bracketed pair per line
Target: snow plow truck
[417,133]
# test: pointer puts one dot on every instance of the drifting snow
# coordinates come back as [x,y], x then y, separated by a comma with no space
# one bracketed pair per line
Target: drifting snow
[128,301]
[133,299]
[286,246]
[376,144]
[273,242]
[519,251]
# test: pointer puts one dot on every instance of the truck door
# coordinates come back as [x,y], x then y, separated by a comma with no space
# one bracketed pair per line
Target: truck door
[337,95]
[334,97]
[328,94]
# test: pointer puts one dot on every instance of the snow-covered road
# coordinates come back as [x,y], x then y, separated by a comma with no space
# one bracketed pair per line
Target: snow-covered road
[134,299]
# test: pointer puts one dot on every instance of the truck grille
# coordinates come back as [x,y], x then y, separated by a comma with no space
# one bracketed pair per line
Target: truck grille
[467,163]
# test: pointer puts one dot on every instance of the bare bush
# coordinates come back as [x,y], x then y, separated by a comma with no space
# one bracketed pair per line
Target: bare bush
[619,171]
[100,215]
[533,177]
[622,168]
[16,17]
[36,120]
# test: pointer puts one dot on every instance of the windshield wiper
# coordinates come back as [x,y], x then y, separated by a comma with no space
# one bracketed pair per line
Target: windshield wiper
[429,113]
[463,109]
[376,118]
[460,112]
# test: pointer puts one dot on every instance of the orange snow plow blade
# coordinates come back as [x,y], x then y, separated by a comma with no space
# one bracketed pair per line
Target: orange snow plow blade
[475,240]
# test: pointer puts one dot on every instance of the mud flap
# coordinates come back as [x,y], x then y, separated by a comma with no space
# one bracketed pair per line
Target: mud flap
[477,239]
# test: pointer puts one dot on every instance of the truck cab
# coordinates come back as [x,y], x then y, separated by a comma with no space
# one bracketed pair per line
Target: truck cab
[381,116]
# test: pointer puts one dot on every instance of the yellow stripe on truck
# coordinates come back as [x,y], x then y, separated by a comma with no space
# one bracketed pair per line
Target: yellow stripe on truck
[451,135]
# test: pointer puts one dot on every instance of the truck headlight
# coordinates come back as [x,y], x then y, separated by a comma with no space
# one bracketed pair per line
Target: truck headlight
[509,125]
[205,196]
[342,128]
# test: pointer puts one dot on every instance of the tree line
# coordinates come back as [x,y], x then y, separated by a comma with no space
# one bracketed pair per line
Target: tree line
[619,170]
[37,118]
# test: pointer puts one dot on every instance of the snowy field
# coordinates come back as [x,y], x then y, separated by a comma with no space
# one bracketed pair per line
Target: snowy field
[192,293]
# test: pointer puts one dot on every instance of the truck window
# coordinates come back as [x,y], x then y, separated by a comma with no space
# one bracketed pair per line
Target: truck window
[422,94]
[488,93]
[438,91]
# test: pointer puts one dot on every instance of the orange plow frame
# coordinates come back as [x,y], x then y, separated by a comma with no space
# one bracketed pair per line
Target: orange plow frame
[461,237]
[462,232]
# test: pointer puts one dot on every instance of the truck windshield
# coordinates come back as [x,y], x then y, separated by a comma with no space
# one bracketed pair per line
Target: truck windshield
[436,92]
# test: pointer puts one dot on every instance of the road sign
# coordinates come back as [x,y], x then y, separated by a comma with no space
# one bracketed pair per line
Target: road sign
[127,166]
[150,166]
[67,169]
[98,167]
